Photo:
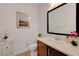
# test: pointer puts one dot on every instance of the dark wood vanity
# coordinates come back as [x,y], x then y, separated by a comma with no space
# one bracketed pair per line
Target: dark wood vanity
[45,50]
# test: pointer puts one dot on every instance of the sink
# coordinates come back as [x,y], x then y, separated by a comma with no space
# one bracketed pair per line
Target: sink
[60,40]
[67,41]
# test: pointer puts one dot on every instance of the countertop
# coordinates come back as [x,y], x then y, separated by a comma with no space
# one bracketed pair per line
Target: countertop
[60,45]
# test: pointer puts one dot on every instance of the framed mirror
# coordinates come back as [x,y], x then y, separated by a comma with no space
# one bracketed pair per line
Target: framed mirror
[61,20]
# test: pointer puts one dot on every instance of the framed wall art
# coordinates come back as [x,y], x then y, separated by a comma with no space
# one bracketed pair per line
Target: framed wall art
[22,20]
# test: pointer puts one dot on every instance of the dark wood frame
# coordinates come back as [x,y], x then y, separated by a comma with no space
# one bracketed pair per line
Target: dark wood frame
[55,9]
[77,18]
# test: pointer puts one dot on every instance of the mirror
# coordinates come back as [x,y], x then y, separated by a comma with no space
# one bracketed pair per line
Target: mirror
[61,20]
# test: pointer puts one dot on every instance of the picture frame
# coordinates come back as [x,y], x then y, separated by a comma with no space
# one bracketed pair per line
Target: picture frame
[22,20]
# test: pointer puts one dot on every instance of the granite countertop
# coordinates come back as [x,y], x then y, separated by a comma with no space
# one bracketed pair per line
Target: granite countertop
[61,46]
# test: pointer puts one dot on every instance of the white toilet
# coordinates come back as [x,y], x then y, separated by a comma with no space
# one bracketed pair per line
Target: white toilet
[33,47]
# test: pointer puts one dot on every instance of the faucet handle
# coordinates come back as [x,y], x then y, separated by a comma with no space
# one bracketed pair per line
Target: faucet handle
[67,36]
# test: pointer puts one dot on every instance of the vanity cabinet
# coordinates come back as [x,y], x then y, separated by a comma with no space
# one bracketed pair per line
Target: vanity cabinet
[6,48]
[45,50]
[0,50]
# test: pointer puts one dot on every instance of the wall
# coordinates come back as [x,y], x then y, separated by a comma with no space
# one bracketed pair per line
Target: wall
[42,20]
[42,17]
[8,23]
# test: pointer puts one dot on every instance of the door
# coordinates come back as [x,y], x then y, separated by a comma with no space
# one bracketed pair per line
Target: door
[7,49]
[0,49]
[41,49]
[54,52]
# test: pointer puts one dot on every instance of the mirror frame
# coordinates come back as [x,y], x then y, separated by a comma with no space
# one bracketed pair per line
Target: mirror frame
[55,9]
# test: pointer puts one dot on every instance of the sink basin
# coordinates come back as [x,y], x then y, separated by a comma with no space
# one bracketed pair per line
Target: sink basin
[68,41]
[63,40]
[60,40]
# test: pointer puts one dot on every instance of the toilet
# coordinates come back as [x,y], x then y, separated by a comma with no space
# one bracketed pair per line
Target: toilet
[33,47]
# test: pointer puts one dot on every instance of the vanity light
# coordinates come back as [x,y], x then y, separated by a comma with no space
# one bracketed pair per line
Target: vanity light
[53,5]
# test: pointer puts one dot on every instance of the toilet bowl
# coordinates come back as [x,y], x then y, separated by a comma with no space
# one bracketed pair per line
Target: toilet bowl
[33,47]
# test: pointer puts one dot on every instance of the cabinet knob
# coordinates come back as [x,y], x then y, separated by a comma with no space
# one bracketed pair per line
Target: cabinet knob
[7,47]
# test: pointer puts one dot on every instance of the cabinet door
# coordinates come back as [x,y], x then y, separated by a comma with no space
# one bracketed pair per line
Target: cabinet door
[41,49]
[54,52]
[7,49]
[0,50]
